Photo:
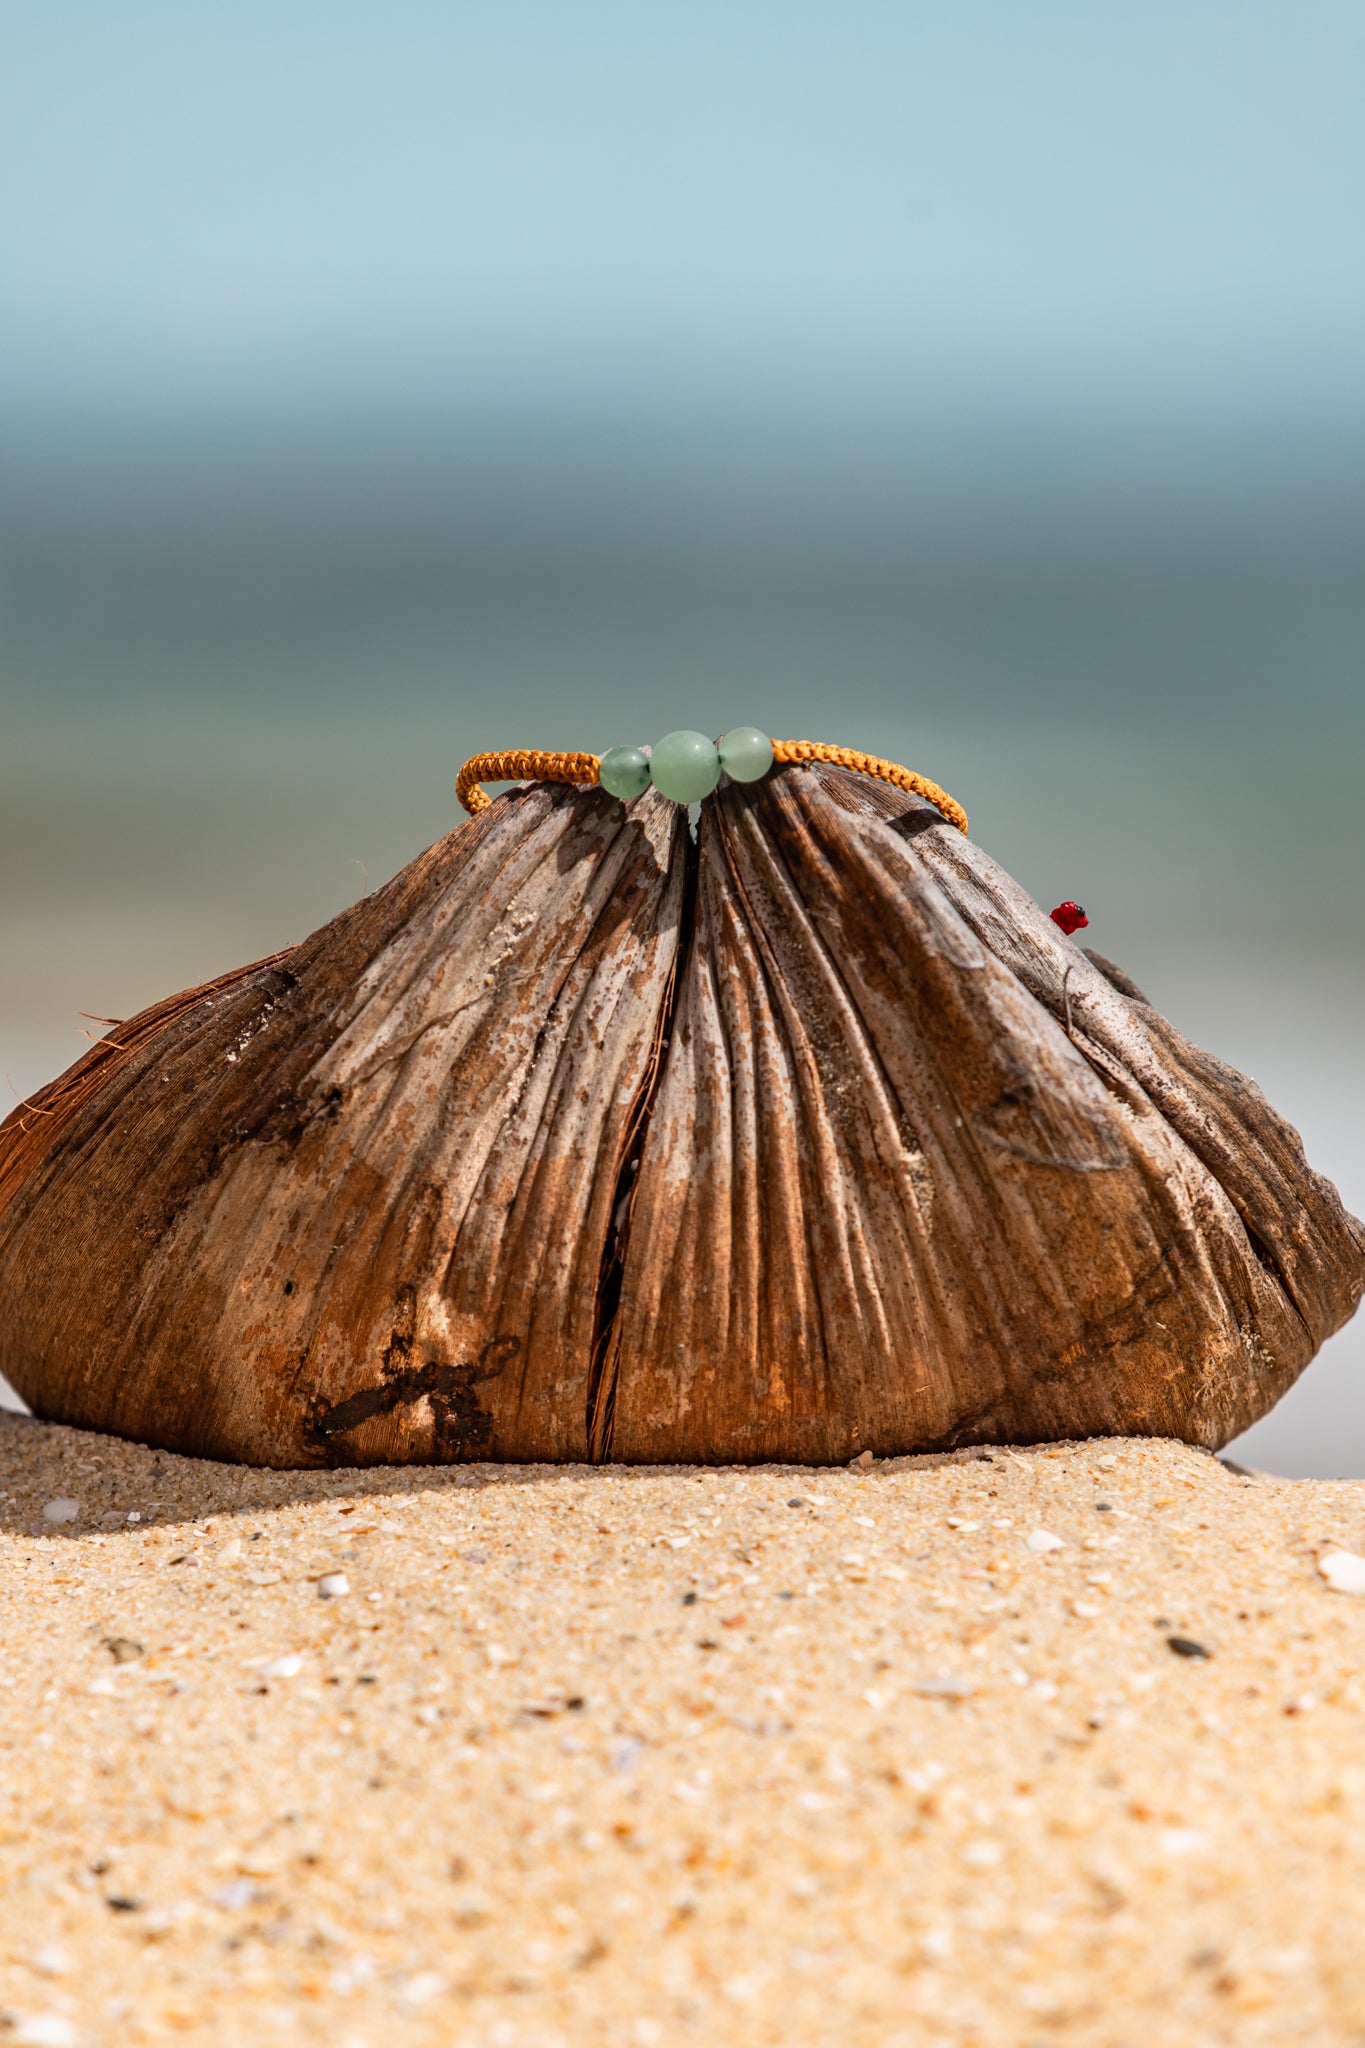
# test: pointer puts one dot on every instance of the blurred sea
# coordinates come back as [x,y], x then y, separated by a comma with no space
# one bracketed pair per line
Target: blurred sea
[240,666]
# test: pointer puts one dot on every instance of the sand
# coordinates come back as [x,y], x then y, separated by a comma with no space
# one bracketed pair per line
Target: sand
[654,1757]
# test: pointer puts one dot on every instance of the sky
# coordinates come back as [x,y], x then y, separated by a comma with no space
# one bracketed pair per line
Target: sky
[283,197]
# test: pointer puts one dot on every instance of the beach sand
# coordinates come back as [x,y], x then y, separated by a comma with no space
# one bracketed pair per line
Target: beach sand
[670,1756]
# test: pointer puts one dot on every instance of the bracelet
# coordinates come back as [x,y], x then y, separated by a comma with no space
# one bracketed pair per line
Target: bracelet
[685,767]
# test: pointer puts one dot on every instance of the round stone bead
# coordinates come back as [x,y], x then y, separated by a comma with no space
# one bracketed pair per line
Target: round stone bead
[746,754]
[685,766]
[624,772]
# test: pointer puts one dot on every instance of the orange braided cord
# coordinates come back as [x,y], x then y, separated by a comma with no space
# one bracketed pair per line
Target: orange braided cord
[885,771]
[525,765]
[531,765]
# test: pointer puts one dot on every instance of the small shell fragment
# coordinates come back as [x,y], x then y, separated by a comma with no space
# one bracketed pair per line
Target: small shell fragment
[1343,1570]
[288,1666]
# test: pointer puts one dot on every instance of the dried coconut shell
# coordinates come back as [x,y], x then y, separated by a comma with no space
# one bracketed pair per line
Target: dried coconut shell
[580,1140]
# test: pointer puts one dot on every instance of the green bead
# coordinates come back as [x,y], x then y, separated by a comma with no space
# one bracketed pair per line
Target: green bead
[685,767]
[624,772]
[746,754]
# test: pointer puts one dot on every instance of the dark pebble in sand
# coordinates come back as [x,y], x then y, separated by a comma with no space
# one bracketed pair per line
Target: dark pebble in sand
[1185,1646]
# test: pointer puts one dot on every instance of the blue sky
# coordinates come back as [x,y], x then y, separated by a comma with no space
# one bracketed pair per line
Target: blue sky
[1023,196]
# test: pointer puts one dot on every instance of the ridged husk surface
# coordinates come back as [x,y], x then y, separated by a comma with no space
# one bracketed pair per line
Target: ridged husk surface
[579,1140]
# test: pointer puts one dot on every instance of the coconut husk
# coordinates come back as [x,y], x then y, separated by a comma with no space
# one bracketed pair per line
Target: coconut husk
[581,1140]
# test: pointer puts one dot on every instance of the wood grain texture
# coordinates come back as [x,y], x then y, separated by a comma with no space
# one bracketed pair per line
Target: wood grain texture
[579,1141]
[920,1175]
[353,1210]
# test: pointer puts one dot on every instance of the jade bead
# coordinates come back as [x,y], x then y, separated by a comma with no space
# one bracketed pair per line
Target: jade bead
[685,767]
[624,772]
[746,754]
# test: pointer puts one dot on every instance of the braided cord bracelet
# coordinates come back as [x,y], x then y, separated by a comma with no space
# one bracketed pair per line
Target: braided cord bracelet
[686,766]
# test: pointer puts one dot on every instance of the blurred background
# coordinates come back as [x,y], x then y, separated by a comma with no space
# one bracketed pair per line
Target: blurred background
[978,385]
